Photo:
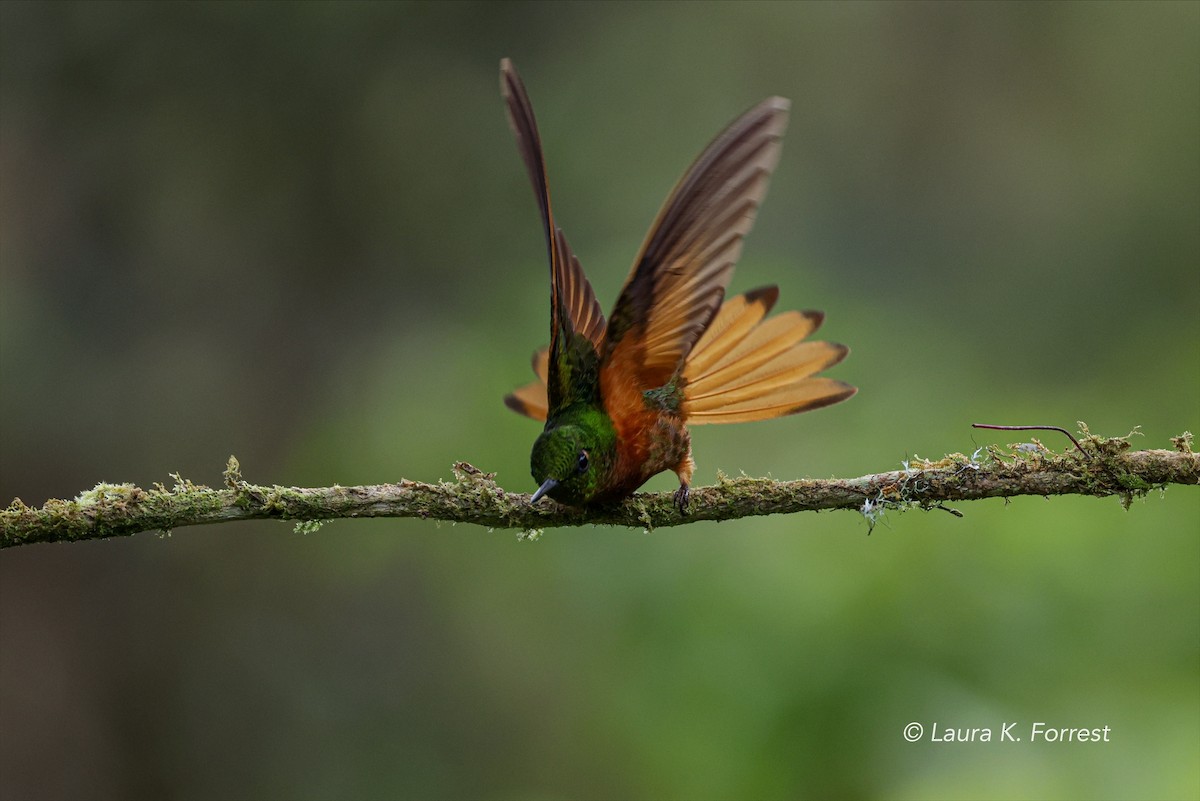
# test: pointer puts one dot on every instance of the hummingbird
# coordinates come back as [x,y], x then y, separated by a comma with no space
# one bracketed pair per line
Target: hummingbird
[617,396]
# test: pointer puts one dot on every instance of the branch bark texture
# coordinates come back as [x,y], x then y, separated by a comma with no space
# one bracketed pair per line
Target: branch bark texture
[1101,467]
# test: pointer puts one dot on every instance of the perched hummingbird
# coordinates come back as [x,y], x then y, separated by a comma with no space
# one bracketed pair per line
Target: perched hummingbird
[617,397]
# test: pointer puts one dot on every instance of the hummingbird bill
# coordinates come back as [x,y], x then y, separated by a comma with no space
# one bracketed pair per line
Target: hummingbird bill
[617,395]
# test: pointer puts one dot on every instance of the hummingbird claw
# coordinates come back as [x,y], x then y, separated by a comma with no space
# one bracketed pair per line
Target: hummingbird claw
[681,498]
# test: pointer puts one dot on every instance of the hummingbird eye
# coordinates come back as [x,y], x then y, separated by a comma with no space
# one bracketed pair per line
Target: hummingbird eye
[581,464]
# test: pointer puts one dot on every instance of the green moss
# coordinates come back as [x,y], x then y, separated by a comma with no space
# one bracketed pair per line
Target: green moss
[309,526]
[110,493]
[233,473]
[1098,466]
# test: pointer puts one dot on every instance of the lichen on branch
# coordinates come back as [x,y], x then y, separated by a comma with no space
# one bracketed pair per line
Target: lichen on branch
[1098,467]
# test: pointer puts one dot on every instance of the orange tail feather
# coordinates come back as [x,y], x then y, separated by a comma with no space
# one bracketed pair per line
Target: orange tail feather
[744,369]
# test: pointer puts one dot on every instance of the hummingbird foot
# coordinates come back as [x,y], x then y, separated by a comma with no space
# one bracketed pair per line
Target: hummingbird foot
[681,499]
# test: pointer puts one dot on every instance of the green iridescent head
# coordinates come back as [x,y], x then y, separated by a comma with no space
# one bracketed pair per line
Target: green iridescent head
[569,463]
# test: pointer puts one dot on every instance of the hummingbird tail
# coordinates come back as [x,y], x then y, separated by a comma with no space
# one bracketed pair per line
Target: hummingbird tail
[745,369]
[532,400]
[741,369]
[529,400]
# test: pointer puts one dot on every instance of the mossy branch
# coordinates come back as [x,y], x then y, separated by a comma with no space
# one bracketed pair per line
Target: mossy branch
[1099,467]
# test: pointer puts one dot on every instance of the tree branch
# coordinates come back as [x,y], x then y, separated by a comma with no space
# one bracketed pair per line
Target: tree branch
[1100,467]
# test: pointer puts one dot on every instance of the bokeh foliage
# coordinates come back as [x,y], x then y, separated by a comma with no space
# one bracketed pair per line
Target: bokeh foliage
[301,234]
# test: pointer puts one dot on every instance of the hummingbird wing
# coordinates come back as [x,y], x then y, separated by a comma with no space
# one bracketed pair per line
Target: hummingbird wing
[741,369]
[574,312]
[745,369]
[678,279]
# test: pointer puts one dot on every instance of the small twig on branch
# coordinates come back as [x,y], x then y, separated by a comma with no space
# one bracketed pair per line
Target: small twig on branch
[1035,428]
[116,510]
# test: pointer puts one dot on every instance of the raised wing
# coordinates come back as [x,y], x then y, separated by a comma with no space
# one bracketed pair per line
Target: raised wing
[575,317]
[678,279]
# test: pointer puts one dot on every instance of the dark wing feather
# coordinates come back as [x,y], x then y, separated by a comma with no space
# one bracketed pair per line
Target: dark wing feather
[573,307]
[678,280]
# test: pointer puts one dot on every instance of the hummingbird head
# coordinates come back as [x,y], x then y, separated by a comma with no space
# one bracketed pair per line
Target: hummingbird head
[568,462]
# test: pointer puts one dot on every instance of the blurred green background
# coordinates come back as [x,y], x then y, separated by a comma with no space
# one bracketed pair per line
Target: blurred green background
[302,234]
